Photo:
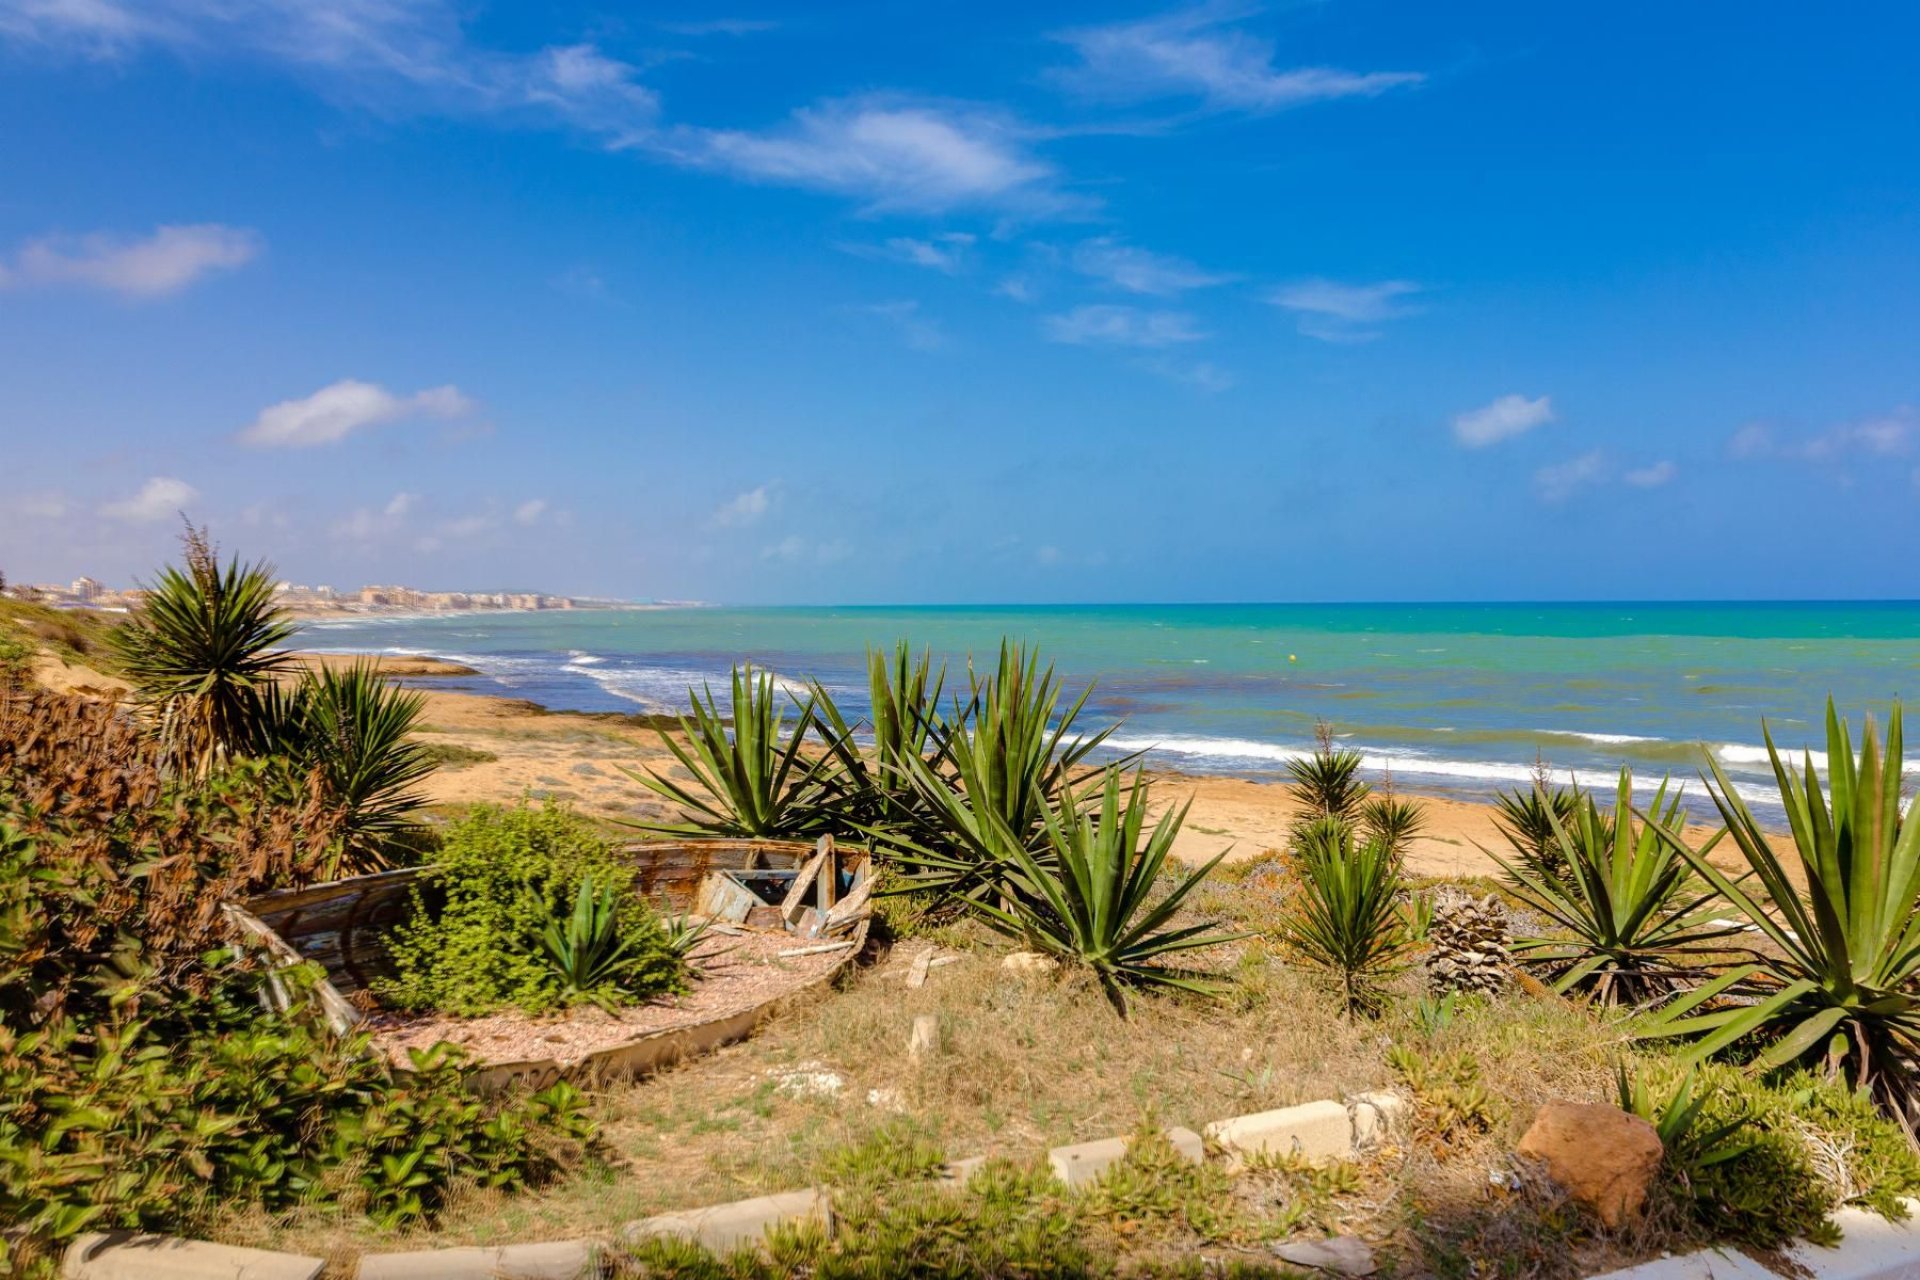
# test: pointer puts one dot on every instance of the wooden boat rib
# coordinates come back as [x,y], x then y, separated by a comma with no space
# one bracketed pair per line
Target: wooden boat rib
[817,893]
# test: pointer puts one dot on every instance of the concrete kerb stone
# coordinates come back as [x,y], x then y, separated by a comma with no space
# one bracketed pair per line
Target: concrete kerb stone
[1082,1162]
[1376,1117]
[1870,1248]
[1314,1130]
[723,1227]
[558,1260]
[123,1255]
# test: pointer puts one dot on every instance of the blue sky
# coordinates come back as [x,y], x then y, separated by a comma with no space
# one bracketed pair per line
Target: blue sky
[986,302]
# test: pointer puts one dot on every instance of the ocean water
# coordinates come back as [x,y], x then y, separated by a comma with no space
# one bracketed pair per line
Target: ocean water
[1456,699]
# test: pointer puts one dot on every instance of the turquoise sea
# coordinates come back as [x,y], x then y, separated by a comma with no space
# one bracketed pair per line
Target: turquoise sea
[1459,699]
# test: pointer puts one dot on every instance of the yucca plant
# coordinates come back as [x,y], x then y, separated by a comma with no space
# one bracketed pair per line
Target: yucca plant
[348,732]
[874,786]
[1690,1147]
[1392,821]
[1327,784]
[591,958]
[202,650]
[1839,988]
[1347,919]
[1526,817]
[1094,899]
[752,776]
[1633,911]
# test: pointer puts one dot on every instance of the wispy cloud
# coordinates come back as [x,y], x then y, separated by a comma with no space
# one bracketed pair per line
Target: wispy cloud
[794,549]
[1141,270]
[1653,475]
[1201,375]
[382,54]
[1197,53]
[746,508]
[139,267]
[1116,326]
[720,27]
[160,498]
[946,252]
[915,329]
[1887,435]
[530,512]
[1336,312]
[1563,480]
[888,153]
[1509,416]
[335,412]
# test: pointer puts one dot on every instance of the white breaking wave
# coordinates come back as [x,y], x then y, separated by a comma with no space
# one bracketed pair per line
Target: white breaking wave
[1605,739]
[1741,753]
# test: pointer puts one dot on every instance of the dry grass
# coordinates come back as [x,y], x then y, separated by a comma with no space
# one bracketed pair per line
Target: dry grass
[1022,1064]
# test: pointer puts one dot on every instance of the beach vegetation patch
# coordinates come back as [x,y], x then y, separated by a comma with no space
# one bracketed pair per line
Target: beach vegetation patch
[528,908]
[1348,920]
[1637,922]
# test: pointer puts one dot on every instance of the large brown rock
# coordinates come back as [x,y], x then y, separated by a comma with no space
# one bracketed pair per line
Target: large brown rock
[1605,1158]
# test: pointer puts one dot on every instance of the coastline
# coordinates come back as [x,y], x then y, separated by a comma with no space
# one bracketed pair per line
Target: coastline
[580,757]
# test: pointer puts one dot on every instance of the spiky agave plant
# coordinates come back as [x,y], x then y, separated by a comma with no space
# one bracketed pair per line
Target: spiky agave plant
[1008,755]
[1839,989]
[751,773]
[1094,898]
[201,650]
[1526,816]
[590,956]
[1346,920]
[874,786]
[1634,914]
[348,732]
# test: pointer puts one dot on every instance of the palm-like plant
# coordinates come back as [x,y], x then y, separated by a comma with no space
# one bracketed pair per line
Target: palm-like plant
[1840,988]
[1629,902]
[202,650]
[1091,899]
[349,733]
[1347,918]
[1327,783]
[1392,821]
[751,774]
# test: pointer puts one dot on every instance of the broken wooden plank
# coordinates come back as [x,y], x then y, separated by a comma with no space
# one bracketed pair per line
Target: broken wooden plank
[852,908]
[917,975]
[814,950]
[797,896]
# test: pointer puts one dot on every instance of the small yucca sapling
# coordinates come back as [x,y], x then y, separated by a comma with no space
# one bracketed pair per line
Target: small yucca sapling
[1346,919]
[1327,784]
[1391,820]
[1526,817]
[683,934]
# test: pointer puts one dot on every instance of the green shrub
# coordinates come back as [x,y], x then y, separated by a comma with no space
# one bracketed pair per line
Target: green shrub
[201,1106]
[1347,919]
[477,938]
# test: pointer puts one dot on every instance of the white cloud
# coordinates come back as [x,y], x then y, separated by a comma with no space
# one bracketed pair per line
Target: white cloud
[1141,270]
[1018,288]
[49,505]
[1888,435]
[1505,418]
[167,261]
[529,512]
[746,508]
[1099,325]
[794,549]
[1561,481]
[1194,53]
[1202,375]
[335,412]
[1337,312]
[915,329]
[890,154]
[384,54]
[1652,476]
[401,503]
[946,252]
[160,498]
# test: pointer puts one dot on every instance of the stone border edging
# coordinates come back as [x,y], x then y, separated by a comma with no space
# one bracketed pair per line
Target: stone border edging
[1870,1248]
[1314,1130]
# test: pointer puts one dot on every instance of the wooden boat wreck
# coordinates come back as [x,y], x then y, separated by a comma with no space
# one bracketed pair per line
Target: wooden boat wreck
[811,901]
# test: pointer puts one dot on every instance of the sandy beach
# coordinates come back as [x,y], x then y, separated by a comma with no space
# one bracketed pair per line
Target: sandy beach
[501,749]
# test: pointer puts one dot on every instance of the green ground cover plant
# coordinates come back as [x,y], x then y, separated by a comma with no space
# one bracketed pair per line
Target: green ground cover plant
[529,908]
